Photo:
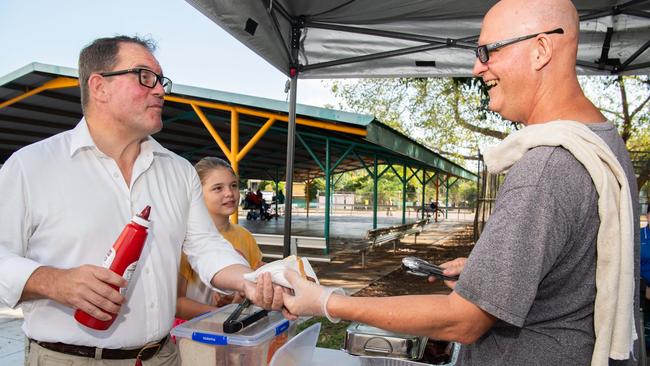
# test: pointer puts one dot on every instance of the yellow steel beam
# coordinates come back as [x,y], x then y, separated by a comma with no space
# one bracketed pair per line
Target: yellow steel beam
[58,83]
[234,138]
[277,116]
[255,139]
[234,150]
[213,132]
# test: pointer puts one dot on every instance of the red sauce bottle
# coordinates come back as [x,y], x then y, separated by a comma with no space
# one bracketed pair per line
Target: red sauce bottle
[121,259]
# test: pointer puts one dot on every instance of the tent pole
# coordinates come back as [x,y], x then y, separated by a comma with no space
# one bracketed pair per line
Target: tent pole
[328,193]
[291,138]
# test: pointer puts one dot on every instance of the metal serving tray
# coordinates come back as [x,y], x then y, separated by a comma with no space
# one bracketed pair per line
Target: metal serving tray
[364,340]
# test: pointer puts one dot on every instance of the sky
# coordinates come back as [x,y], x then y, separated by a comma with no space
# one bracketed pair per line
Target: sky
[192,49]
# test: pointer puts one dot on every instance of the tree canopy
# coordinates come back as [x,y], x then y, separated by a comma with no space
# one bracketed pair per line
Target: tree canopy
[450,115]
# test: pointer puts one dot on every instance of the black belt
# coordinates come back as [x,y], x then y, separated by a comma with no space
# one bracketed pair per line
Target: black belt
[143,353]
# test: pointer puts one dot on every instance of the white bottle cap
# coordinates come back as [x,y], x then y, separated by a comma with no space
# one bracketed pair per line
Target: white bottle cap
[140,221]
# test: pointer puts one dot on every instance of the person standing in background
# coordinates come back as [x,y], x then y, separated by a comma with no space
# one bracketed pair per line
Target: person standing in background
[220,187]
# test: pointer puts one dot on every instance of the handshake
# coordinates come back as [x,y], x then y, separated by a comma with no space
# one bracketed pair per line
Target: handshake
[308,297]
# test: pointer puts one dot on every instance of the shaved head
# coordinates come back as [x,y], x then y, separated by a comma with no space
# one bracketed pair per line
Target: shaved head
[530,67]
[533,16]
[529,16]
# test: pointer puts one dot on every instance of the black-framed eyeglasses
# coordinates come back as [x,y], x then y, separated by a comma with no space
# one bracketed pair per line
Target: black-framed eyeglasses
[146,77]
[483,51]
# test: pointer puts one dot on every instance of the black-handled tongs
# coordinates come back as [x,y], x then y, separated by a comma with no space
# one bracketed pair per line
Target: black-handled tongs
[233,324]
[419,267]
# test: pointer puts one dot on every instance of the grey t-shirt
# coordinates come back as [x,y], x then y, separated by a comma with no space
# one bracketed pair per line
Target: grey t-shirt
[533,267]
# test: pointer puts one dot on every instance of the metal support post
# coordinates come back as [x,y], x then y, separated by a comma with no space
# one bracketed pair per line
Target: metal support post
[424,185]
[404,195]
[375,194]
[328,193]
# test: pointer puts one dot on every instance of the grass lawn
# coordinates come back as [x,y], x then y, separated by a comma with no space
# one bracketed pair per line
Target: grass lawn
[331,335]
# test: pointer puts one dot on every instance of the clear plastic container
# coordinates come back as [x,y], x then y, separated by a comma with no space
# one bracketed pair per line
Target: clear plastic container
[202,341]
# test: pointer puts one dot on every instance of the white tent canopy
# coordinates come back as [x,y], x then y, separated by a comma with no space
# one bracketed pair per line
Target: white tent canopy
[389,38]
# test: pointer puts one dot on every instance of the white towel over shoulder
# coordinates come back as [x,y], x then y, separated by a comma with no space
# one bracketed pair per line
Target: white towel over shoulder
[614,307]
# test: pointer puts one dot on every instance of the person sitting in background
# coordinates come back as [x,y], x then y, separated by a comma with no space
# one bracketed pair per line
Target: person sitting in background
[249,199]
[261,202]
[220,187]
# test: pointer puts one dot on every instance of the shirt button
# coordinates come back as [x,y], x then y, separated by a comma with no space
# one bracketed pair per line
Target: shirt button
[115,175]
[146,270]
[152,305]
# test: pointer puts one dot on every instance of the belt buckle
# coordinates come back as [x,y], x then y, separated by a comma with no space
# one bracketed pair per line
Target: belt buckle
[158,345]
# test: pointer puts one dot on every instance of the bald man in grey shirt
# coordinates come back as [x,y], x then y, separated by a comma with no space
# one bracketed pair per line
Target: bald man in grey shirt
[534,267]
[526,293]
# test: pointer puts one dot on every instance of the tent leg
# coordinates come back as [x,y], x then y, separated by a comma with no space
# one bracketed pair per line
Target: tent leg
[291,138]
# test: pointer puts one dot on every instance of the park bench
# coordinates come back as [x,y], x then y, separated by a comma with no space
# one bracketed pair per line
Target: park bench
[297,242]
[393,234]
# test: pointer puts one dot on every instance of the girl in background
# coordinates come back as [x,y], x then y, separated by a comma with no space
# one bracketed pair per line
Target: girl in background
[221,193]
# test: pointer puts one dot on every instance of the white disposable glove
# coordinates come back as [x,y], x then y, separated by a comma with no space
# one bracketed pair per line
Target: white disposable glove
[309,298]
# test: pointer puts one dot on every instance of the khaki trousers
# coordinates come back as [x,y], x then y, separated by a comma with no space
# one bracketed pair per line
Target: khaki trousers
[39,356]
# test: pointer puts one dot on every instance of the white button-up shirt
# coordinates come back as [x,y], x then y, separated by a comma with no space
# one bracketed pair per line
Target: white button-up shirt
[64,203]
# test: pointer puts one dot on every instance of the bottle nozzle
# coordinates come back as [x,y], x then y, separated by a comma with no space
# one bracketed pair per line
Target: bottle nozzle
[145,213]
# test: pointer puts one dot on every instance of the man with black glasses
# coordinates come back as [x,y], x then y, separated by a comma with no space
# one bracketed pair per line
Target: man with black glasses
[527,293]
[67,198]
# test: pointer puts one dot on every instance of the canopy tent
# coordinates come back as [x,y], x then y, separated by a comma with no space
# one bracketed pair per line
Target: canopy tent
[399,38]
[389,38]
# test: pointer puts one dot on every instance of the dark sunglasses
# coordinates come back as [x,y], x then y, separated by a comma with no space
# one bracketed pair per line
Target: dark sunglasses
[146,77]
[483,51]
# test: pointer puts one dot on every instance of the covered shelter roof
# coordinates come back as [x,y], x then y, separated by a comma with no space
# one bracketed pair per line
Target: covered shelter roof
[400,38]
[39,100]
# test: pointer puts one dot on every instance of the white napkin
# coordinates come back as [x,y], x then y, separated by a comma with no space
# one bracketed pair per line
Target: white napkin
[277,268]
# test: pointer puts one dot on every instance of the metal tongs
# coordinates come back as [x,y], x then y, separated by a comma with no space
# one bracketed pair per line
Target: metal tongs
[233,324]
[420,267]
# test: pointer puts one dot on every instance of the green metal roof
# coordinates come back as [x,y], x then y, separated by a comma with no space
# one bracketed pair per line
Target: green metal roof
[50,112]
[39,67]
[382,135]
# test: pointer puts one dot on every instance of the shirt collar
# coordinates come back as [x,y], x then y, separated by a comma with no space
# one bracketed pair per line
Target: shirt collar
[80,139]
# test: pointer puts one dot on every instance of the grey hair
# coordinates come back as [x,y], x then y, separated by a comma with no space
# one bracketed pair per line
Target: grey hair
[101,56]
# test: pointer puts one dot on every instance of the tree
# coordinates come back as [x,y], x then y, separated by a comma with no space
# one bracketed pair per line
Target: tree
[311,189]
[463,193]
[625,100]
[450,115]
[266,185]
